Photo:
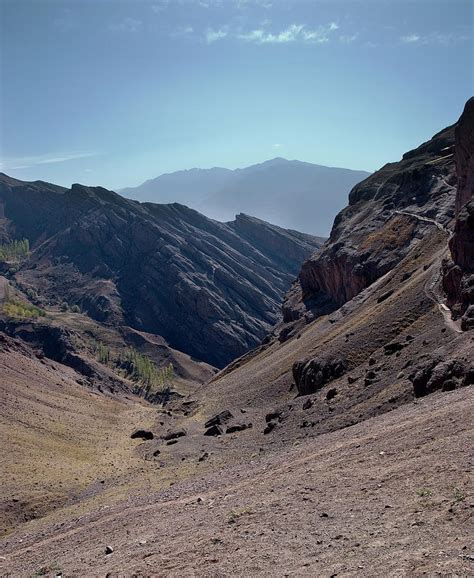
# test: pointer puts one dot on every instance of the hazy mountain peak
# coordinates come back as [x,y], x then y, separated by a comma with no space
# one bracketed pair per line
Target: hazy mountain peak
[290,193]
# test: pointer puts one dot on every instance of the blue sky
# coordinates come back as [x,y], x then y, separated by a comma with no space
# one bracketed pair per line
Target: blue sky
[115,92]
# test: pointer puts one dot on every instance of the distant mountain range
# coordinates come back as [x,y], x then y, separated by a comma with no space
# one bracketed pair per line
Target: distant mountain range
[291,194]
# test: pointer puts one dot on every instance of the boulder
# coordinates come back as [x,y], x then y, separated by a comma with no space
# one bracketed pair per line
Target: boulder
[433,374]
[311,375]
[219,419]
[173,435]
[238,427]
[214,430]
[142,434]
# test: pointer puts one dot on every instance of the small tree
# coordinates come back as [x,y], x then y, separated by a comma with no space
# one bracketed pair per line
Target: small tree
[165,380]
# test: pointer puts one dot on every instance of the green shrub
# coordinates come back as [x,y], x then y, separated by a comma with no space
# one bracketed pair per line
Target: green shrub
[75,309]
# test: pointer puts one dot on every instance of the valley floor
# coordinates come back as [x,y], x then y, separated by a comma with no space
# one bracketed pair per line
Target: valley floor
[390,496]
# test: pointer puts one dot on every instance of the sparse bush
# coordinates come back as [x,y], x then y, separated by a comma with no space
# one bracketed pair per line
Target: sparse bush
[31,294]
[424,492]
[64,306]
[234,515]
[459,495]
[75,309]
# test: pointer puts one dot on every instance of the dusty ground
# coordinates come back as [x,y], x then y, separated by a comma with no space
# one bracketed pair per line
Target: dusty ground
[389,496]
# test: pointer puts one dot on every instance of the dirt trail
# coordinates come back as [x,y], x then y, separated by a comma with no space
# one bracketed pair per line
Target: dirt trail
[433,283]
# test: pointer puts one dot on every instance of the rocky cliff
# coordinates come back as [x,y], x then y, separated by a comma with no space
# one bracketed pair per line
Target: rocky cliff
[387,215]
[458,279]
[212,290]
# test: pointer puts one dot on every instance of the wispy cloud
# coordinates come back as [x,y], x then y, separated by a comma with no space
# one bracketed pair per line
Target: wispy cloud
[160,5]
[349,38]
[183,31]
[215,35]
[434,38]
[294,33]
[126,25]
[277,146]
[410,39]
[32,161]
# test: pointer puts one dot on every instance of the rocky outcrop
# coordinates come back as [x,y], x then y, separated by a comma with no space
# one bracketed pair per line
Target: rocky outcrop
[434,373]
[311,375]
[458,278]
[387,215]
[212,290]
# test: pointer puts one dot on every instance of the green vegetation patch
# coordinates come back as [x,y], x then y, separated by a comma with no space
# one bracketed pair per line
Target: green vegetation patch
[139,368]
[14,251]
[19,310]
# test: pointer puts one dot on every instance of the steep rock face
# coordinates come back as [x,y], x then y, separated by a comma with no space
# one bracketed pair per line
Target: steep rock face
[387,215]
[210,289]
[458,279]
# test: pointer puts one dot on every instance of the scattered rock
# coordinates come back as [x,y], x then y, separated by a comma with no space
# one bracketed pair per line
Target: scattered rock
[173,435]
[204,456]
[385,296]
[219,419]
[276,414]
[433,374]
[142,434]
[331,394]
[214,430]
[308,404]
[270,426]
[307,424]
[156,453]
[393,347]
[238,427]
[311,375]
[109,550]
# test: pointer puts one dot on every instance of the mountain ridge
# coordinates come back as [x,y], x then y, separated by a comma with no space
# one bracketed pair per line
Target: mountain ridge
[211,289]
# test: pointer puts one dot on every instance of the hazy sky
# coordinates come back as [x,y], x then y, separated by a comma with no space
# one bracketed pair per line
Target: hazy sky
[115,92]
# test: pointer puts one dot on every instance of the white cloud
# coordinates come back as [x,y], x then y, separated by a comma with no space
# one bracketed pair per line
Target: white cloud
[126,25]
[277,146]
[214,35]
[410,39]
[160,6]
[32,161]
[294,33]
[183,31]
[348,39]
